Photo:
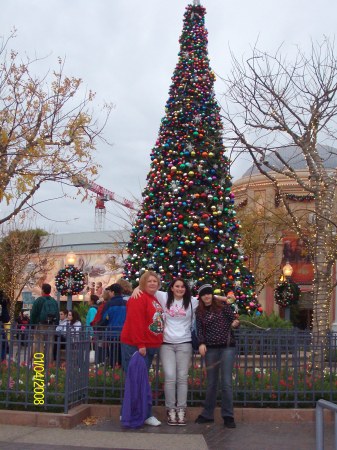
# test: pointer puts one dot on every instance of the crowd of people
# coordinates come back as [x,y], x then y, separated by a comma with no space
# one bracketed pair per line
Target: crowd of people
[142,324]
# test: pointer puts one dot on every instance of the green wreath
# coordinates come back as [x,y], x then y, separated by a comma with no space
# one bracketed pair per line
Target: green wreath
[287,294]
[69,281]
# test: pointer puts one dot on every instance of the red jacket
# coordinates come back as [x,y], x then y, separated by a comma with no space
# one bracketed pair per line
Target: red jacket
[144,325]
[99,314]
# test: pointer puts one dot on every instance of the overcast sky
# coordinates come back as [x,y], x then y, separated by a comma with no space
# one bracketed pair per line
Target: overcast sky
[126,51]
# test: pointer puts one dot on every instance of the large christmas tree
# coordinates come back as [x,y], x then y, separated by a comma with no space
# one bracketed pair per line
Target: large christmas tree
[186,226]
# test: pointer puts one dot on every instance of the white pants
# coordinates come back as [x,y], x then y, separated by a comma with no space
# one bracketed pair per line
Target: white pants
[176,360]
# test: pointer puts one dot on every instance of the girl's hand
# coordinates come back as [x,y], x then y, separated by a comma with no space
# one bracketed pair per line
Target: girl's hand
[235,323]
[231,298]
[136,292]
[202,349]
[142,351]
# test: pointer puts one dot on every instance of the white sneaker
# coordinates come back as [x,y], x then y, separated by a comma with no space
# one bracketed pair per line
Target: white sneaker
[152,421]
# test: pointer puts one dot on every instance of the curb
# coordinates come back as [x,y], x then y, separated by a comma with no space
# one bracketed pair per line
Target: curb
[81,412]
[45,419]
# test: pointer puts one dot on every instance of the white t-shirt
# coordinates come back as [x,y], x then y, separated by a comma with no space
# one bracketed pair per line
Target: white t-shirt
[177,320]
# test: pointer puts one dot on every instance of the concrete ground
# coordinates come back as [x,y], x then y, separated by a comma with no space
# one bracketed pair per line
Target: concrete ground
[107,433]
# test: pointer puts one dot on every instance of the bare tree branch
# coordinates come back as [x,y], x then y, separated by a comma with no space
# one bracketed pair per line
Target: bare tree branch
[284,115]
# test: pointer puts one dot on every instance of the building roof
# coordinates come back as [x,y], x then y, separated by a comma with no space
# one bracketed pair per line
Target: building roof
[91,240]
[294,156]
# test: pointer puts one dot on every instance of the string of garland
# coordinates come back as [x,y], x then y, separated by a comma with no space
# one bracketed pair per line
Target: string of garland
[287,293]
[294,198]
[69,280]
[300,198]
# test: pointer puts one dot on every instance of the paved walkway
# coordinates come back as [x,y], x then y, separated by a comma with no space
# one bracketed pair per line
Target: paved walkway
[107,434]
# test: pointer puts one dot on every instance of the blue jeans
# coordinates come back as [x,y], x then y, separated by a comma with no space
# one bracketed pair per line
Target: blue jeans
[219,361]
[3,340]
[114,350]
[128,351]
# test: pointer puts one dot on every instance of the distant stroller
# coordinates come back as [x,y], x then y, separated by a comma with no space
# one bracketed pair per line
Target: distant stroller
[22,332]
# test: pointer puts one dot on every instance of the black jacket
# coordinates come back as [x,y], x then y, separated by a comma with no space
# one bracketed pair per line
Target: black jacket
[4,314]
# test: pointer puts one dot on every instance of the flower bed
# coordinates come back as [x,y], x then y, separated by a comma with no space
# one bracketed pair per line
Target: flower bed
[271,370]
[284,387]
[259,388]
[17,387]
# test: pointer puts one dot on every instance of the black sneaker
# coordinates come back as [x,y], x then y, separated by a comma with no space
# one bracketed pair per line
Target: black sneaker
[202,419]
[229,422]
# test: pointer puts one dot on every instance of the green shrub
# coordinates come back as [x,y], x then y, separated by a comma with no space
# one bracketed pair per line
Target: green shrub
[264,321]
[82,309]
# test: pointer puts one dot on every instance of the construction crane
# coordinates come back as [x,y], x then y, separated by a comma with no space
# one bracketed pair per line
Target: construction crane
[103,195]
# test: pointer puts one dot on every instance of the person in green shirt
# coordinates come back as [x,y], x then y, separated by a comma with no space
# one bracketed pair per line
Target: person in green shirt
[44,316]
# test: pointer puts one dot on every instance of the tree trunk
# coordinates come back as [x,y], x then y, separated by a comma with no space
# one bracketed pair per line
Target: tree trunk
[322,290]
[12,304]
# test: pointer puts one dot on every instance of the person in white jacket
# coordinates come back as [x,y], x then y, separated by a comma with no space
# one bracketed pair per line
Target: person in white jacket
[63,323]
[74,320]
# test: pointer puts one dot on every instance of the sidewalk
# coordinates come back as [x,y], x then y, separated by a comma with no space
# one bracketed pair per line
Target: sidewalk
[107,433]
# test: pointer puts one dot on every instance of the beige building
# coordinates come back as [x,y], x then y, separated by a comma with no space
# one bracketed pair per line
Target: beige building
[99,255]
[253,191]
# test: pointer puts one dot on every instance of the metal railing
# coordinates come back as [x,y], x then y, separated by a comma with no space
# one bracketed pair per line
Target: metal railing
[320,406]
[272,369]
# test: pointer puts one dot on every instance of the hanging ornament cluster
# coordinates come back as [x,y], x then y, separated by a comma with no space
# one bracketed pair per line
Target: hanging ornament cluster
[242,204]
[186,226]
[287,294]
[69,281]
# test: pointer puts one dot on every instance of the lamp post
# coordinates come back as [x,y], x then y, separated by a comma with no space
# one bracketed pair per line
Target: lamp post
[70,261]
[287,272]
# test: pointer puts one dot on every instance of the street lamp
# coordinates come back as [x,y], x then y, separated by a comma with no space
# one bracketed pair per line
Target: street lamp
[70,261]
[287,272]
[287,293]
[69,280]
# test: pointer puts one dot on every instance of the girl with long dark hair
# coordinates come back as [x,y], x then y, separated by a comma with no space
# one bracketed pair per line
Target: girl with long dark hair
[176,350]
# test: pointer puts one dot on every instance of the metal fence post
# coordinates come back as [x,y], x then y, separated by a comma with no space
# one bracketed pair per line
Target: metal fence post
[68,372]
[320,406]
[319,427]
